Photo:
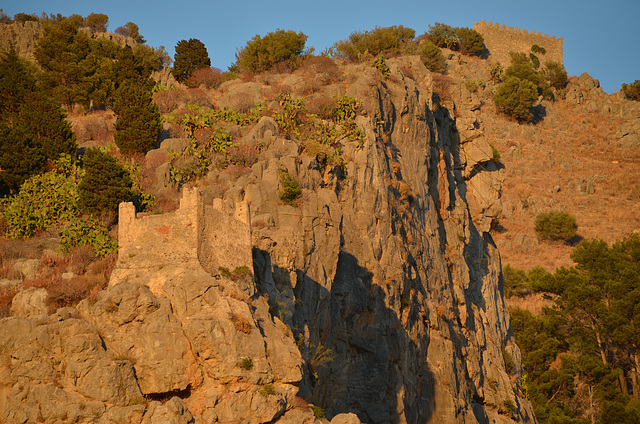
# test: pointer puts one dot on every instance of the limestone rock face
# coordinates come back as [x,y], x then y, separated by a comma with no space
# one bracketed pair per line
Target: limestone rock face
[378,297]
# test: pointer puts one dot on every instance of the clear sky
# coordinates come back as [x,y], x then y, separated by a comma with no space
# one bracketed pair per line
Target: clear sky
[601,38]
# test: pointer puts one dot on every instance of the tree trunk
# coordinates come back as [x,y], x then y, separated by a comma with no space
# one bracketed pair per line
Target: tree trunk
[635,376]
[623,382]
[603,354]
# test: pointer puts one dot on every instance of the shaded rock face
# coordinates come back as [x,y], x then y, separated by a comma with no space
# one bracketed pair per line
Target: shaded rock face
[387,269]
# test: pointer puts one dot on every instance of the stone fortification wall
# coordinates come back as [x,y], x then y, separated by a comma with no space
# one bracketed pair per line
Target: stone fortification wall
[500,40]
[210,236]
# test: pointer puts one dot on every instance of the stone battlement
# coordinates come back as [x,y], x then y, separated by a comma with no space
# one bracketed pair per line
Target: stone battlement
[211,236]
[501,39]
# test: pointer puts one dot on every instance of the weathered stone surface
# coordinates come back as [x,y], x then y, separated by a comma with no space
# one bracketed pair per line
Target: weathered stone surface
[142,329]
[28,268]
[30,303]
[173,411]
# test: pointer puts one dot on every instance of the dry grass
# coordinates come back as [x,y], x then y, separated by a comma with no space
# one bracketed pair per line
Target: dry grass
[570,145]
[241,323]
[533,303]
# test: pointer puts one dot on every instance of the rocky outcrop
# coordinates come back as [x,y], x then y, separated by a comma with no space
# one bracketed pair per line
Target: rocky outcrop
[23,36]
[377,298]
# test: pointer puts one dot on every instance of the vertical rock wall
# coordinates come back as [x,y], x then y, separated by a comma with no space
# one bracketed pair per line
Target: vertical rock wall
[388,271]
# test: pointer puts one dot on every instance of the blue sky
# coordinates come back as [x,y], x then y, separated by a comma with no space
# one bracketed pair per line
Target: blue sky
[600,38]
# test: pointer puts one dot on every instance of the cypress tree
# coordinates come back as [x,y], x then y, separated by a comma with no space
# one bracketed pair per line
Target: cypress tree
[105,183]
[139,122]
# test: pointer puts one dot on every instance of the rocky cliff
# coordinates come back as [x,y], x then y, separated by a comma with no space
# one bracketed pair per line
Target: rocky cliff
[378,296]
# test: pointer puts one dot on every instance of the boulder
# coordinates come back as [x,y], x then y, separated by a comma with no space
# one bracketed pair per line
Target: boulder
[30,303]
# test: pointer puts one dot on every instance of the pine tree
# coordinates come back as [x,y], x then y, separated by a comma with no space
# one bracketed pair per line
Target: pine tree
[190,55]
[33,129]
[105,183]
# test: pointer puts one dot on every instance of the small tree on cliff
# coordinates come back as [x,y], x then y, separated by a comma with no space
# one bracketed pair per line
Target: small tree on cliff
[105,183]
[190,55]
[131,30]
[97,22]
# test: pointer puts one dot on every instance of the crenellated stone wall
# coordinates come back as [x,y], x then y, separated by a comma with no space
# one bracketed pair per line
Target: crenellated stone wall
[500,40]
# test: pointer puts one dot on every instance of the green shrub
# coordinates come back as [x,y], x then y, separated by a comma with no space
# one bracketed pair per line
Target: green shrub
[131,30]
[442,35]
[378,41]
[281,48]
[247,363]
[471,85]
[432,57]
[24,17]
[291,190]
[87,232]
[267,390]
[515,97]
[537,49]
[556,225]
[42,202]
[381,65]
[105,183]
[190,55]
[470,42]
[534,60]
[495,154]
[466,41]
[97,22]
[556,75]
[632,91]
[318,412]
[496,72]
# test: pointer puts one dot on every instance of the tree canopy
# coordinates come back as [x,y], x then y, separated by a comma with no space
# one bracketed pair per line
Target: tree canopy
[190,55]
[582,357]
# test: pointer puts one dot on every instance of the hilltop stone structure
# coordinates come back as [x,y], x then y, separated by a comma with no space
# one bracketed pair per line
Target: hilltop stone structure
[213,236]
[500,40]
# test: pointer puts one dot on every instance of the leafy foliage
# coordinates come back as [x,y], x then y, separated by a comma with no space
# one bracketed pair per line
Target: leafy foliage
[465,40]
[632,91]
[291,190]
[378,41]
[581,357]
[42,202]
[280,48]
[87,232]
[190,56]
[131,30]
[105,183]
[515,97]
[431,56]
[139,122]
[523,85]
[77,69]
[556,75]
[556,225]
[97,22]
[33,129]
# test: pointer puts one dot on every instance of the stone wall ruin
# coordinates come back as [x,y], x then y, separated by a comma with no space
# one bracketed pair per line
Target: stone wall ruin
[500,40]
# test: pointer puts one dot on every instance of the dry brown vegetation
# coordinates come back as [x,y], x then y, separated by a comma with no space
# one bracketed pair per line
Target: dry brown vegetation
[569,161]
